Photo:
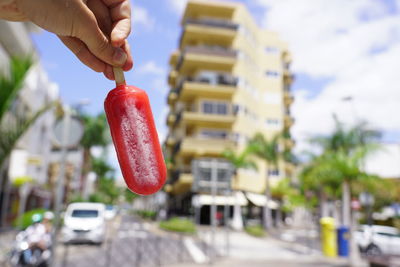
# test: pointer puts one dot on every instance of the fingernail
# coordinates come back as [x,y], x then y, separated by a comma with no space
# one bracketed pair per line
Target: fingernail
[119,56]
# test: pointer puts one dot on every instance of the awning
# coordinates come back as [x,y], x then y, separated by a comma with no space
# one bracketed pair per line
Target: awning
[260,200]
[237,198]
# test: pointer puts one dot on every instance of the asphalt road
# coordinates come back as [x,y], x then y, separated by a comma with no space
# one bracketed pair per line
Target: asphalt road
[128,243]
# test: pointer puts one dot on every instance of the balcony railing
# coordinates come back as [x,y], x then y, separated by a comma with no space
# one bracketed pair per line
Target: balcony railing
[213,23]
[206,50]
[221,79]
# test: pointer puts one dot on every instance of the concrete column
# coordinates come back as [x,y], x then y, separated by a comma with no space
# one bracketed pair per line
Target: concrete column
[237,221]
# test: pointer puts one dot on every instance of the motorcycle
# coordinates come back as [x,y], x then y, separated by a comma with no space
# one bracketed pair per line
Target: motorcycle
[23,254]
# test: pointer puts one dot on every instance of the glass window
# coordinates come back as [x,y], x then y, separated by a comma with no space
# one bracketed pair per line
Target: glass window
[207,107]
[219,134]
[210,107]
[273,172]
[272,122]
[222,108]
[85,213]
[271,50]
[271,73]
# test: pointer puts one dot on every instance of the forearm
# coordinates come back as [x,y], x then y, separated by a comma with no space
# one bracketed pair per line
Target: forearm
[9,11]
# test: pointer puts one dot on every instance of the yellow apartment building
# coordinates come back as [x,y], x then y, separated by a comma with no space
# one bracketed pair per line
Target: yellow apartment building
[229,79]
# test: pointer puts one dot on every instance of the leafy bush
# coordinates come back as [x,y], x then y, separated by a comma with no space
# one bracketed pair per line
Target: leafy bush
[26,219]
[257,230]
[179,225]
[146,214]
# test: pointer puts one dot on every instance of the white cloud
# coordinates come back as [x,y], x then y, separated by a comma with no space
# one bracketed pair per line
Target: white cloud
[141,19]
[151,67]
[177,5]
[330,39]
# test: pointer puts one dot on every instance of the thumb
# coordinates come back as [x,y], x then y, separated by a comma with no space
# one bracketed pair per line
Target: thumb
[100,45]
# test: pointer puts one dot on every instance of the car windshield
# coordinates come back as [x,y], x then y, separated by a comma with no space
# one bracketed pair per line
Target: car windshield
[85,213]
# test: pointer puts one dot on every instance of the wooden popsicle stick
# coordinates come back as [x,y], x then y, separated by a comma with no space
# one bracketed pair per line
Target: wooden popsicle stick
[119,76]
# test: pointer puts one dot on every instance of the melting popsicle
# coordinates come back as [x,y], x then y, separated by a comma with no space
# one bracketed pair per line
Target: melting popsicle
[135,137]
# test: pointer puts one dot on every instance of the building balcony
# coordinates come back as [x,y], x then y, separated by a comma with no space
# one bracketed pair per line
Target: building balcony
[224,86]
[289,143]
[288,98]
[182,182]
[287,57]
[213,22]
[208,31]
[204,57]
[170,141]
[288,121]
[173,74]
[196,146]
[288,77]
[172,97]
[171,118]
[207,119]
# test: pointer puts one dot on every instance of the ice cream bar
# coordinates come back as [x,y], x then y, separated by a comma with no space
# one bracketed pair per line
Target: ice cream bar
[135,139]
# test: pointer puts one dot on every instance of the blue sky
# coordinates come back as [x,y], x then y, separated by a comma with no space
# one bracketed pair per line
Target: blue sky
[340,48]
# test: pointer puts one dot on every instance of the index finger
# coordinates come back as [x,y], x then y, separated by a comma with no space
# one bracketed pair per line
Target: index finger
[120,12]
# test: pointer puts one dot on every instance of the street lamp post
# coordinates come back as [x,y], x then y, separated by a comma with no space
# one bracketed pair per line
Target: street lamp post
[67,133]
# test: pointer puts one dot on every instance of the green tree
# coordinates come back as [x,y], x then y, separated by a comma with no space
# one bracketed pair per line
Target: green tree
[267,150]
[343,154]
[106,189]
[96,134]
[240,160]
[14,122]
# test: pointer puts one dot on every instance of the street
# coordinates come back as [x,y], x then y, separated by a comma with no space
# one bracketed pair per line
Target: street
[128,243]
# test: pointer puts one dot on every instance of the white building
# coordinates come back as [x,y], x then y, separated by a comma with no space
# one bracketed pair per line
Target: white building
[31,155]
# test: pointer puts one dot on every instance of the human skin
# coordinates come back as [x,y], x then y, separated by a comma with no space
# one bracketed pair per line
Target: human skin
[94,30]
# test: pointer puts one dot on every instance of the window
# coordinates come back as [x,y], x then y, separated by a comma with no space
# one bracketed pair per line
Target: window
[85,213]
[272,122]
[218,134]
[271,50]
[222,108]
[207,107]
[273,74]
[274,172]
[211,107]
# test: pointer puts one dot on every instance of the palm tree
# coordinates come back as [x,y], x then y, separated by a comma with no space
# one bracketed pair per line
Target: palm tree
[95,134]
[239,161]
[14,123]
[267,150]
[344,152]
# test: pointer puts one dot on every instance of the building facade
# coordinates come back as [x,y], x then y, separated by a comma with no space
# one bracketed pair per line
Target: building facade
[31,155]
[229,79]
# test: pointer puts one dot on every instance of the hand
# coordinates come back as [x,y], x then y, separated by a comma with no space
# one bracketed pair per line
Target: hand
[94,30]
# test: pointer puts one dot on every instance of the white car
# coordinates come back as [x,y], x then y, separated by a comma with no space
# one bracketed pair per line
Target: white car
[378,240]
[84,222]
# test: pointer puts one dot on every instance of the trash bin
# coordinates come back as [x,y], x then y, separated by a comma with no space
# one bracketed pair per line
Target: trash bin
[328,236]
[343,241]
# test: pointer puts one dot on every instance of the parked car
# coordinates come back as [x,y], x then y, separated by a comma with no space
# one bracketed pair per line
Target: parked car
[378,240]
[84,222]
[110,212]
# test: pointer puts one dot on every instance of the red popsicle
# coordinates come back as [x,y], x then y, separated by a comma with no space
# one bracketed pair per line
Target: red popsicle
[135,137]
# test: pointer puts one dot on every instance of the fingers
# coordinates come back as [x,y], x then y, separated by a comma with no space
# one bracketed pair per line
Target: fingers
[120,12]
[98,43]
[83,54]
[129,62]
